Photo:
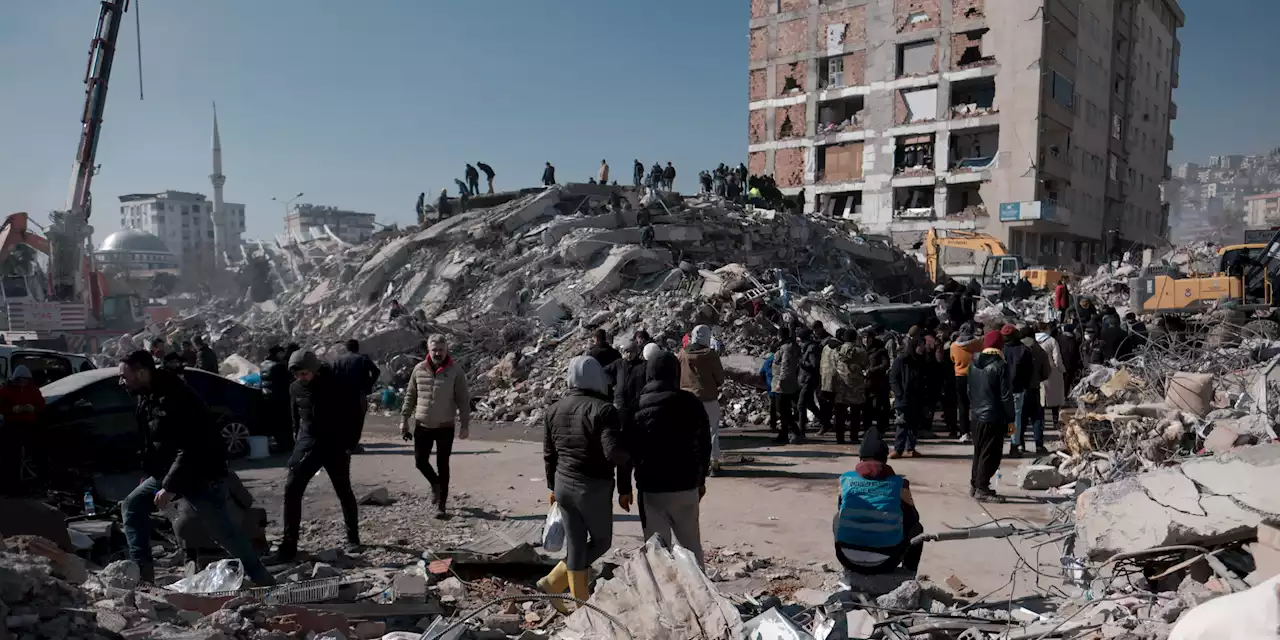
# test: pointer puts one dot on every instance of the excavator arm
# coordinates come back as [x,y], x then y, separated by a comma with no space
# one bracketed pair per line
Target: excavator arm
[14,232]
[957,240]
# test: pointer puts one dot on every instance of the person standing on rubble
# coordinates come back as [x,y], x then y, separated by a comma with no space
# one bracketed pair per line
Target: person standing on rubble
[702,374]
[962,351]
[655,177]
[1069,347]
[464,194]
[1053,391]
[421,208]
[851,387]
[637,173]
[183,456]
[583,455]
[473,181]
[548,175]
[876,516]
[208,359]
[275,395]
[786,385]
[877,407]
[991,392]
[909,380]
[488,174]
[669,176]
[670,447]
[325,440]
[443,208]
[356,375]
[1061,300]
[602,176]
[436,399]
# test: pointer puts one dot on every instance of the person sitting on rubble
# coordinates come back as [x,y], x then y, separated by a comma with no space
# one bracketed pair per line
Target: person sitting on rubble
[183,456]
[702,374]
[670,447]
[325,439]
[876,516]
[396,311]
[208,360]
[582,452]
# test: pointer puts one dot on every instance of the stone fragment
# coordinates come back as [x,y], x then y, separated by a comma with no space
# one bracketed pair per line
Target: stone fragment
[1039,476]
[905,598]
[452,587]
[121,574]
[322,570]
[379,497]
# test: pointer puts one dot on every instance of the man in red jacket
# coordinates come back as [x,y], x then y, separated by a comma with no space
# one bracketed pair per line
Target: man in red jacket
[1061,301]
[21,404]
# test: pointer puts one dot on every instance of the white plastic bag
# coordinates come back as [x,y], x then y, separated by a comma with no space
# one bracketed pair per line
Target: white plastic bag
[223,575]
[553,530]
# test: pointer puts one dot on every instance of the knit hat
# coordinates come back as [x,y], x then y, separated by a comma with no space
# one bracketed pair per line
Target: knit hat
[1008,331]
[873,447]
[993,340]
[303,360]
[650,350]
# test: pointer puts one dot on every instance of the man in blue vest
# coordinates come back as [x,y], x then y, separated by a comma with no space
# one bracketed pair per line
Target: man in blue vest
[876,516]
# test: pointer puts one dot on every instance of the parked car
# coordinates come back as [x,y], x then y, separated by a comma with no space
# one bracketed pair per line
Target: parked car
[46,365]
[89,420]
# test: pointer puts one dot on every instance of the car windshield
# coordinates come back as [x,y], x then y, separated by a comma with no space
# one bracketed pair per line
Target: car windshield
[45,368]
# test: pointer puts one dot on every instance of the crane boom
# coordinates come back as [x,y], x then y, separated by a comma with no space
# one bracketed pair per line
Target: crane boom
[70,232]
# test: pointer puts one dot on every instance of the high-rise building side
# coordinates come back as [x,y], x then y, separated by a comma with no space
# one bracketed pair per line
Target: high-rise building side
[1044,124]
[183,221]
[304,221]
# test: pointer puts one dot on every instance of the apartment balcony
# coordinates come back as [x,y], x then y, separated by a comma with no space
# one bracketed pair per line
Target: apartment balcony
[1175,78]
[1173,110]
[1169,147]
[1055,162]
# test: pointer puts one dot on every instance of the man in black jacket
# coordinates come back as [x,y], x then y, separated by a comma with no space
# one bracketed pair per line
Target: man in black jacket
[670,446]
[991,396]
[473,181]
[488,174]
[909,379]
[810,377]
[1022,378]
[601,350]
[628,375]
[548,175]
[208,359]
[184,456]
[325,440]
[877,409]
[356,375]
[275,396]
[638,173]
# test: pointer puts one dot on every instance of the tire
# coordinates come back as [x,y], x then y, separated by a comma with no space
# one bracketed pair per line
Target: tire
[236,435]
[1268,329]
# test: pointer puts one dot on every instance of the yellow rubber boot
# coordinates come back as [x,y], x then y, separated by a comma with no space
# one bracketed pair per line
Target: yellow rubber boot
[556,582]
[578,585]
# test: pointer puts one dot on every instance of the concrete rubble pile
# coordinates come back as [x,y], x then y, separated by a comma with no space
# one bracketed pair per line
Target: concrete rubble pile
[518,286]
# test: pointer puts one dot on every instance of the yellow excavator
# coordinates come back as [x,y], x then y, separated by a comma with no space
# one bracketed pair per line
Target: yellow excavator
[999,269]
[1244,278]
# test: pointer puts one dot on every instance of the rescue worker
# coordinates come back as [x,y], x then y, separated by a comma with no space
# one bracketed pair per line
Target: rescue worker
[669,176]
[702,374]
[991,393]
[464,194]
[637,173]
[786,385]
[183,456]
[876,516]
[436,400]
[473,181]
[582,451]
[488,174]
[670,447]
[325,438]
[207,359]
[443,208]
[275,396]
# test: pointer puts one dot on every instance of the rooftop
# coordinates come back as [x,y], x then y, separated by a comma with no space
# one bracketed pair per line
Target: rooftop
[133,240]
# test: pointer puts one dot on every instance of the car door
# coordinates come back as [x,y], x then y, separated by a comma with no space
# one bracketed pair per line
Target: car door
[94,429]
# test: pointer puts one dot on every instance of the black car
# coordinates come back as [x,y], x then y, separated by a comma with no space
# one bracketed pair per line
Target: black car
[89,420]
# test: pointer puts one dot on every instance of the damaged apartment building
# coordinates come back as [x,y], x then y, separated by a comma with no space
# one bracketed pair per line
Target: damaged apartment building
[1043,123]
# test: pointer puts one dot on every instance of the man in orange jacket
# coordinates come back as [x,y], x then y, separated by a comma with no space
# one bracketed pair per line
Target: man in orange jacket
[963,349]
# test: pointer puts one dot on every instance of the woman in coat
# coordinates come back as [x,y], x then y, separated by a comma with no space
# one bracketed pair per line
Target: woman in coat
[1053,391]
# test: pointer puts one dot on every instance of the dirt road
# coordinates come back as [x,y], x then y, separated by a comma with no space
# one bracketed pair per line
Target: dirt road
[778,505]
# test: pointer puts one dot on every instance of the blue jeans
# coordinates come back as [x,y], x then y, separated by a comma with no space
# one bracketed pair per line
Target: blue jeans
[1027,411]
[909,422]
[210,503]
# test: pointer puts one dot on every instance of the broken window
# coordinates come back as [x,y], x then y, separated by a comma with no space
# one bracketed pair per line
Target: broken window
[840,115]
[975,48]
[916,58]
[973,97]
[914,154]
[913,202]
[1117,126]
[921,104]
[966,200]
[786,129]
[918,17]
[835,72]
[974,150]
[841,205]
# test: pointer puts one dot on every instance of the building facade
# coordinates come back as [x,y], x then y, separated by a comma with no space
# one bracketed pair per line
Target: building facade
[306,220]
[182,220]
[1262,211]
[1045,126]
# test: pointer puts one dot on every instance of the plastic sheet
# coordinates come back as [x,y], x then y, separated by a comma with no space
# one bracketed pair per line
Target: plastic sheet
[223,575]
[774,625]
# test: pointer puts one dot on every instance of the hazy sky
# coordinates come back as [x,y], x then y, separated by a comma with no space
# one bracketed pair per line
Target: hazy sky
[362,105]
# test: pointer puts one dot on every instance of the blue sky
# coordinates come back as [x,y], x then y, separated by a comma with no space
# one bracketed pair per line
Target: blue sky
[363,105]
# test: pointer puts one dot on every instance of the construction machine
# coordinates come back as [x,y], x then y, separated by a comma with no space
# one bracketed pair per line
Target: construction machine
[1000,269]
[74,298]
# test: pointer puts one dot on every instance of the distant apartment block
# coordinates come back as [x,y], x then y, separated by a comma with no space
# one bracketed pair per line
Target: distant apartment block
[1262,210]
[307,220]
[1043,124]
[183,221]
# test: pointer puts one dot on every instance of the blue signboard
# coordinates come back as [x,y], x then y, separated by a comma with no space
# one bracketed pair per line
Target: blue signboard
[1010,211]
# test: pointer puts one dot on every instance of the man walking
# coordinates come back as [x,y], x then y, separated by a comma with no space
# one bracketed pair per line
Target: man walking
[356,374]
[436,399]
[488,174]
[637,173]
[670,446]
[548,175]
[275,396]
[473,181]
[786,385]
[991,393]
[208,359]
[326,437]
[702,374]
[183,456]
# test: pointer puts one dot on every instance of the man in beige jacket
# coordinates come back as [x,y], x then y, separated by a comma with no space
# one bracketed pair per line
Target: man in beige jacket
[436,400]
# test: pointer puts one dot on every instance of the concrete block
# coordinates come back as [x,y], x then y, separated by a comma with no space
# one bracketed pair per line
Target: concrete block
[608,277]
[550,312]
[542,205]
[1039,477]
[1221,440]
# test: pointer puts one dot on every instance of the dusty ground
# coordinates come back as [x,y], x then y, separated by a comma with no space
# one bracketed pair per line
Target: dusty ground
[780,505]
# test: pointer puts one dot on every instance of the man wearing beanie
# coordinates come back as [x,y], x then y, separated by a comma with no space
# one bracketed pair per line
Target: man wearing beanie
[877,517]
[325,436]
[991,394]
[1021,365]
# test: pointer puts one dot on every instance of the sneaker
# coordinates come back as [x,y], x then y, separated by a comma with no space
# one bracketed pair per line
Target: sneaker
[990,498]
[1041,451]
[441,514]
[963,439]
[1014,452]
[894,455]
[910,453]
[283,555]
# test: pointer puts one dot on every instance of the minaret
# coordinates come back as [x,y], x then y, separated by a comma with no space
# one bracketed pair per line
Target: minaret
[219,230]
